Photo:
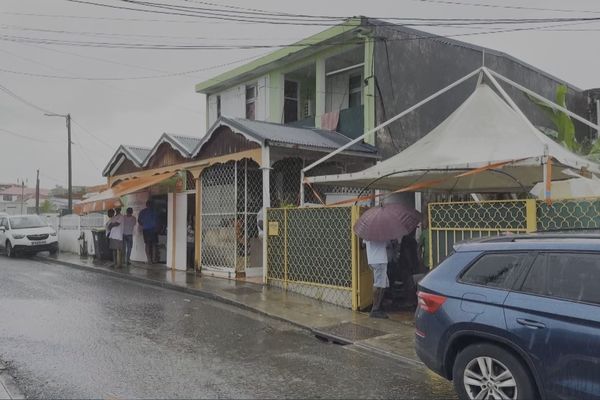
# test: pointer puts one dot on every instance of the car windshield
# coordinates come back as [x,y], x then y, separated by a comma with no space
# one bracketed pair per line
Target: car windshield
[26,221]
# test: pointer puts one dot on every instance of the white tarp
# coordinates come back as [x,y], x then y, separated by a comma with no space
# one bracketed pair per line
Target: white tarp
[569,189]
[484,130]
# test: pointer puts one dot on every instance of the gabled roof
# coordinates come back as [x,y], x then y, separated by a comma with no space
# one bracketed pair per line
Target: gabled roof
[140,153]
[267,133]
[135,154]
[185,145]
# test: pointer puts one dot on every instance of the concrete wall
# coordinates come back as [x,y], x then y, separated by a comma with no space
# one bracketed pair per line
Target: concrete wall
[177,225]
[412,69]
[233,101]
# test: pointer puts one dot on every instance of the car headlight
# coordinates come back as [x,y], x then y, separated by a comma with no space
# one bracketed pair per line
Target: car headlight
[18,236]
[52,233]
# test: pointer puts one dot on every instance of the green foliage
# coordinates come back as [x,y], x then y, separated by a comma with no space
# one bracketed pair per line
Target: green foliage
[47,207]
[565,129]
[564,132]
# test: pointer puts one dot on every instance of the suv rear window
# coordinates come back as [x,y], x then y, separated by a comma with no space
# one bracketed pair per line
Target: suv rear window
[569,276]
[498,270]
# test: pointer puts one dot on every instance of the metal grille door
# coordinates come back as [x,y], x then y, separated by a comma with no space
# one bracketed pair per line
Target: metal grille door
[231,200]
[218,217]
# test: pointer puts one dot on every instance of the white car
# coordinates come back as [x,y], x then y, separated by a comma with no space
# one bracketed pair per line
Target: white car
[26,234]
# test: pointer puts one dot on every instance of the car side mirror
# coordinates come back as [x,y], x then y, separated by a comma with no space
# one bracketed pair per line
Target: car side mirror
[2,229]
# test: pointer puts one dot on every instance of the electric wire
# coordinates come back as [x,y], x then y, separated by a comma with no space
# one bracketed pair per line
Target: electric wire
[459,3]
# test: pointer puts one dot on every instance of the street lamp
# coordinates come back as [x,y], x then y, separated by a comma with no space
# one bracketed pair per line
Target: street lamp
[70,189]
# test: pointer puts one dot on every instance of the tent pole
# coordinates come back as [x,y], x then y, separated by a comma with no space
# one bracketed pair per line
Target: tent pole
[505,95]
[391,120]
[545,100]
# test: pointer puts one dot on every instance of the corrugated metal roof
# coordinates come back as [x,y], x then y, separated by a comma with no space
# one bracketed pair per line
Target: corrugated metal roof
[291,135]
[139,153]
[188,143]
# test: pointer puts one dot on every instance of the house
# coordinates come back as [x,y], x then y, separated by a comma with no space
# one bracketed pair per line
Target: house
[14,199]
[268,119]
[365,71]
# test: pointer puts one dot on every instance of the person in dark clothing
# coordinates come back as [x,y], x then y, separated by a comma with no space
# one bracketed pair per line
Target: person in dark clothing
[148,221]
[408,265]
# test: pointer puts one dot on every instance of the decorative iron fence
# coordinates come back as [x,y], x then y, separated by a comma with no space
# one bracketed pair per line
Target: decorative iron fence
[313,251]
[450,223]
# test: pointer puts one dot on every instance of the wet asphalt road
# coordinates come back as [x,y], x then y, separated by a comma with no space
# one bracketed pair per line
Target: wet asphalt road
[73,334]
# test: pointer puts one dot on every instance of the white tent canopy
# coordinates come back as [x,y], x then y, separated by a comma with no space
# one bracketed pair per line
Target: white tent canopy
[484,130]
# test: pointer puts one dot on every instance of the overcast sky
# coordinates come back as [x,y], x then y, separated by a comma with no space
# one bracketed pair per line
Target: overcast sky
[137,111]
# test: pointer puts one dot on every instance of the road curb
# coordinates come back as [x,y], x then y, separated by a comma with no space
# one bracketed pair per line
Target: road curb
[222,299]
[166,285]
[394,356]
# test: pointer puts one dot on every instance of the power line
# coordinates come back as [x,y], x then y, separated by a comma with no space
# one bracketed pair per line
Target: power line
[459,3]
[22,136]
[23,100]
[97,82]
[84,129]
[140,35]
[266,20]
[300,45]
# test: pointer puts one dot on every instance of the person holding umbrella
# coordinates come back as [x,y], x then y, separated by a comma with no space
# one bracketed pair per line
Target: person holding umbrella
[377,257]
[377,227]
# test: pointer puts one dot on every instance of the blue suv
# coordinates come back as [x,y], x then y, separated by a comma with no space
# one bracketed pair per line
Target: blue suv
[515,317]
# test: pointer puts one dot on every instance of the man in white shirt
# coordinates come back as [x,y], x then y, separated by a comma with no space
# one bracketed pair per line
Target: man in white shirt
[116,237]
[377,257]
[129,222]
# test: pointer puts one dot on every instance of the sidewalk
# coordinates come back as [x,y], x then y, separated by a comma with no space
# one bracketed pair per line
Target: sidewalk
[393,338]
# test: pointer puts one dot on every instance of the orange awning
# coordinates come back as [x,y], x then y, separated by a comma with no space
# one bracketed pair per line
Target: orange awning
[110,198]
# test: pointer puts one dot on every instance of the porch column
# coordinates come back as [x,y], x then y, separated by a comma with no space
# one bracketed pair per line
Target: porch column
[320,88]
[266,180]
[197,173]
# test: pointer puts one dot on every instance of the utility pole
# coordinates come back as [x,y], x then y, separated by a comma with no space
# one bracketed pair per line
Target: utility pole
[70,189]
[22,194]
[37,193]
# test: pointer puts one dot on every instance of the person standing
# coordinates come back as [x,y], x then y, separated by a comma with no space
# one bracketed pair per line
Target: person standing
[147,220]
[190,243]
[377,257]
[116,237]
[128,225]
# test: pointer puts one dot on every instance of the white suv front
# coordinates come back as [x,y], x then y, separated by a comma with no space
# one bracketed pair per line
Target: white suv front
[26,234]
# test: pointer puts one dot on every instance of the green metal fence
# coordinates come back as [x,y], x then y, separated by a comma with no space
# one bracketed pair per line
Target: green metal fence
[450,223]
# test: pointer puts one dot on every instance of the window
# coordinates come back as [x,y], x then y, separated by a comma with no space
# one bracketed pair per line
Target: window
[290,101]
[498,270]
[7,197]
[26,222]
[566,276]
[355,91]
[218,106]
[251,102]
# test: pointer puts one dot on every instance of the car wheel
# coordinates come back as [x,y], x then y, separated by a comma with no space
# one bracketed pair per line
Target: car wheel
[487,371]
[10,252]
[53,251]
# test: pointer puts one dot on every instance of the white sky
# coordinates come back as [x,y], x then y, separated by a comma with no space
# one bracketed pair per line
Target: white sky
[139,111]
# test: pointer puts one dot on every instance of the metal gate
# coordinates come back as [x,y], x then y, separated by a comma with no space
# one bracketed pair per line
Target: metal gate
[231,200]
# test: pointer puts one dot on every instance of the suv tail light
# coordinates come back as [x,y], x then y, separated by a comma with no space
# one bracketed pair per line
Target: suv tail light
[430,302]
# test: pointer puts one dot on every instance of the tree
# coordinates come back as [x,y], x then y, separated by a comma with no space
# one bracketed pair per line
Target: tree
[564,132]
[47,207]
